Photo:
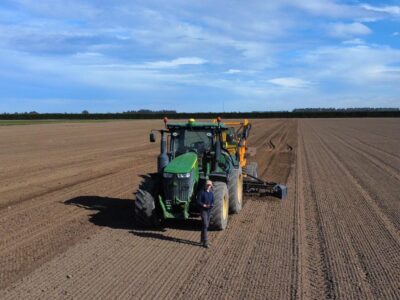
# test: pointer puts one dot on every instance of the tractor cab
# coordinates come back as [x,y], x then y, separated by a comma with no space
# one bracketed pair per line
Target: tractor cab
[190,139]
[205,140]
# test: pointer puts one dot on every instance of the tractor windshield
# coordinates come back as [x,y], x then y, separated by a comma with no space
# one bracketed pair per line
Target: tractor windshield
[185,140]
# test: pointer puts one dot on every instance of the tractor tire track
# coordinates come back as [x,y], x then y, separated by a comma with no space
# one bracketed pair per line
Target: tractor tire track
[318,268]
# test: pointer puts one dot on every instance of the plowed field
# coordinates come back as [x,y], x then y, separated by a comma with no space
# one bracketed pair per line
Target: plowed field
[66,230]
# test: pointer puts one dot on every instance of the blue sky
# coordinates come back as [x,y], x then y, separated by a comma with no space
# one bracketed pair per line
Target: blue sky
[109,56]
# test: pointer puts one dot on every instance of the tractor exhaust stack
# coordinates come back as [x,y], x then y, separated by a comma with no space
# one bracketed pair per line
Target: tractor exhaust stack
[162,160]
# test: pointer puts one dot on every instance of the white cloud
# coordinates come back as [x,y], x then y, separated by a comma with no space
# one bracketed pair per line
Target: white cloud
[233,71]
[337,9]
[357,66]
[71,8]
[290,82]
[343,30]
[107,47]
[181,61]
[323,7]
[355,41]
[391,10]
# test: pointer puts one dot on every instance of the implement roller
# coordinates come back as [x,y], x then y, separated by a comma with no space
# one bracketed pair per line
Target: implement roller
[257,187]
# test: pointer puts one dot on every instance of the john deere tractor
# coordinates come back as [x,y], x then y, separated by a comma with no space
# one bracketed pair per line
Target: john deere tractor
[192,152]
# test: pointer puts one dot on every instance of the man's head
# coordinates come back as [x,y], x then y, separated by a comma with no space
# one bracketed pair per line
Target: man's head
[209,184]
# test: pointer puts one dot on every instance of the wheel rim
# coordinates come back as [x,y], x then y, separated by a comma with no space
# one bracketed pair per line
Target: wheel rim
[225,205]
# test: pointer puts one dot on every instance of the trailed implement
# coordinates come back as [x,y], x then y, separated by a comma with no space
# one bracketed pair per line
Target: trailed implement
[256,187]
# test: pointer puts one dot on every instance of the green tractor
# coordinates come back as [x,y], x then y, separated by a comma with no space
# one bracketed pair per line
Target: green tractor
[191,152]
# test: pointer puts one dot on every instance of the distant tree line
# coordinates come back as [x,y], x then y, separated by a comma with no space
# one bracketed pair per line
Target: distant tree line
[148,111]
[149,114]
[351,109]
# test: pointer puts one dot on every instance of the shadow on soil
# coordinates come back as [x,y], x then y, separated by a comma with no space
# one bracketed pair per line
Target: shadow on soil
[160,236]
[108,212]
[118,213]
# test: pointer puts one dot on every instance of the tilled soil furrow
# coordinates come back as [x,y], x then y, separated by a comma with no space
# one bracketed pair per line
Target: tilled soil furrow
[390,227]
[166,279]
[375,131]
[366,175]
[373,158]
[96,252]
[279,156]
[41,217]
[318,268]
[385,226]
[7,204]
[371,145]
[209,270]
[56,181]
[270,137]
[283,136]
[47,229]
[66,160]
[21,257]
[275,262]
[261,133]
[303,282]
[360,240]
[63,193]
[21,261]
[335,236]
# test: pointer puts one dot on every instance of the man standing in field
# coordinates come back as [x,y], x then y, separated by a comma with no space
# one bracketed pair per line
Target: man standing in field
[205,200]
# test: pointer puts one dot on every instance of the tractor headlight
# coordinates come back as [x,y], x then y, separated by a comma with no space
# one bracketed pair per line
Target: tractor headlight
[168,175]
[184,175]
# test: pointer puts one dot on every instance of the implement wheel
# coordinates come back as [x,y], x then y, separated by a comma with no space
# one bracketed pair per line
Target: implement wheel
[235,187]
[219,212]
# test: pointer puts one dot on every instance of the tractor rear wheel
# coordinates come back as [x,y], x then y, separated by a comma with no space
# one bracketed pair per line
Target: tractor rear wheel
[219,212]
[235,187]
[145,212]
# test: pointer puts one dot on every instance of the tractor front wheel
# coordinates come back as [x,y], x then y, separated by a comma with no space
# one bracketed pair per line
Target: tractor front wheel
[219,212]
[145,212]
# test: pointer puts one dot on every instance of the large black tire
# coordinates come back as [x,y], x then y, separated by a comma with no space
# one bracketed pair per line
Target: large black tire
[145,212]
[220,211]
[235,187]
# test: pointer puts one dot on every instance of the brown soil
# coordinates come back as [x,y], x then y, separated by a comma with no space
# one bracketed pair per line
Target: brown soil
[66,216]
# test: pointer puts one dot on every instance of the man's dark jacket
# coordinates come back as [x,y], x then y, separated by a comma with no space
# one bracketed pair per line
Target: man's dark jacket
[205,197]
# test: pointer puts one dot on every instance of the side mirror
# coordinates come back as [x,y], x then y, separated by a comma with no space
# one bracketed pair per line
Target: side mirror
[152,137]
